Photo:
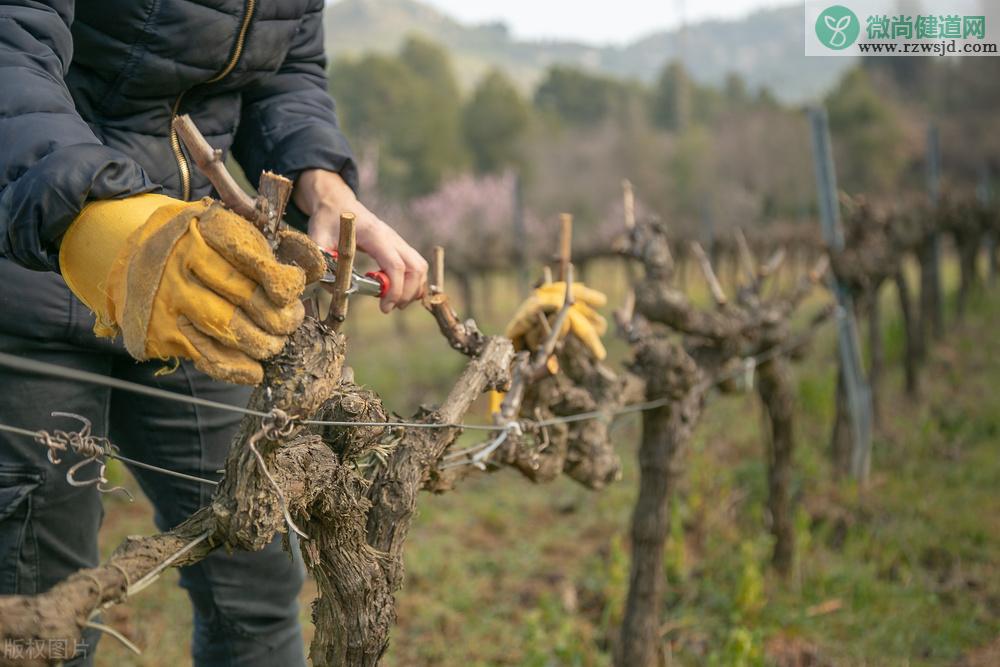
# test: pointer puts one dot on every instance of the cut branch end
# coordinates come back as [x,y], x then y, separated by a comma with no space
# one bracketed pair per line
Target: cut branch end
[346,246]
[714,286]
[565,244]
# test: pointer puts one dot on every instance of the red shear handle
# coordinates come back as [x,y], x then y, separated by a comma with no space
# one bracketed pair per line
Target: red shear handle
[382,278]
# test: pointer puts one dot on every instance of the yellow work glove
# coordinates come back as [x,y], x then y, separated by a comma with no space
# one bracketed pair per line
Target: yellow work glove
[186,279]
[526,329]
[496,401]
[527,332]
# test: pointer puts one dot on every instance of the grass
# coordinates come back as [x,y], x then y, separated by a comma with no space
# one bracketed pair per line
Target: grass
[903,572]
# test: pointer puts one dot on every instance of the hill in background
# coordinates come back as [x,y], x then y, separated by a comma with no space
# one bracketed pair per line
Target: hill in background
[765,48]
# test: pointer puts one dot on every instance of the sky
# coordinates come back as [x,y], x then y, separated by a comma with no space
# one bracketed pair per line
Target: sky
[596,21]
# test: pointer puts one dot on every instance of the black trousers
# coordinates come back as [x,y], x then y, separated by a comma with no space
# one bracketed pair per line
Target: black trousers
[245,604]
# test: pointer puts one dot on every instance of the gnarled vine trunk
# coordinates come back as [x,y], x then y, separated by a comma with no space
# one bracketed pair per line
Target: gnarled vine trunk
[931,308]
[911,353]
[666,432]
[774,385]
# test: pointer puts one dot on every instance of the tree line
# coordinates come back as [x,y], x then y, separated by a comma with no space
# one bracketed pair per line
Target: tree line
[704,153]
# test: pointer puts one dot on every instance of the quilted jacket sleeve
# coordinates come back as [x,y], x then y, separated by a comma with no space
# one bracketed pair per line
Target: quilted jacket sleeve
[51,163]
[289,123]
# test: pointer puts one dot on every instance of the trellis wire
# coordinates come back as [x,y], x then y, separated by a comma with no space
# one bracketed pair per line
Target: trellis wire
[115,455]
[54,370]
[45,368]
[479,458]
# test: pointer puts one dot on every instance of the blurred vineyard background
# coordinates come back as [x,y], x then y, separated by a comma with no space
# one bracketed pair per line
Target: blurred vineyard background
[508,573]
[703,146]
[474,140]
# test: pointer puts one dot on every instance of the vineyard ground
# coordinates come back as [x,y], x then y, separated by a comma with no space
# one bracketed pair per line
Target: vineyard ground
[506,573]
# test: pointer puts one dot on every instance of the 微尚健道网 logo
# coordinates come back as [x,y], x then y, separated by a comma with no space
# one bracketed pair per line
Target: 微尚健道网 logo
[837,27]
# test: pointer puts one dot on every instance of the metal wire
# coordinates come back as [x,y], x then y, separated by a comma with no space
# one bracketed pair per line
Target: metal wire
[154,574]
[18,431]
[165,471]
[44,368]
[467,427]
[107,629]
[53,370]
[661,402]
[597,414]
[39,435]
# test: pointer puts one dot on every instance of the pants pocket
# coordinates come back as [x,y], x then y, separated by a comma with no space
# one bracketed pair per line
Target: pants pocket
[18,550]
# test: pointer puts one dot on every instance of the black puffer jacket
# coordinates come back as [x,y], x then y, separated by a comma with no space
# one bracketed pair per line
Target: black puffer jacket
[86,102]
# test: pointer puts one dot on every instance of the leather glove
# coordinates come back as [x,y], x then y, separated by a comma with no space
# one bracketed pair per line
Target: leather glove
[187,279]
[526,331]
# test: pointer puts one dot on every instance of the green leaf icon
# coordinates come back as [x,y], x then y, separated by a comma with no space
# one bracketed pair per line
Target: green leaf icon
[837,27]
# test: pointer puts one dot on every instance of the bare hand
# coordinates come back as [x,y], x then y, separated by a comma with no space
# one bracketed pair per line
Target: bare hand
[324,196]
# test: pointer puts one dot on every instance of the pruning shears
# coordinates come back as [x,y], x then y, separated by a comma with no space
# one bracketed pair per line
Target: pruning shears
[373,283]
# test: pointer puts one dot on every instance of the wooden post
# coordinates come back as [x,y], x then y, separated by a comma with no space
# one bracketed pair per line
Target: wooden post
[856,387]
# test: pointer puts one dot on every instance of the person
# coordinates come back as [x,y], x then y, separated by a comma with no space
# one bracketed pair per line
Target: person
[104,229]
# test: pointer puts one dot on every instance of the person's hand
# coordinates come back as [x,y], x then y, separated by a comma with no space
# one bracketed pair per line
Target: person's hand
[526,330]
[323,196]
[191,280]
